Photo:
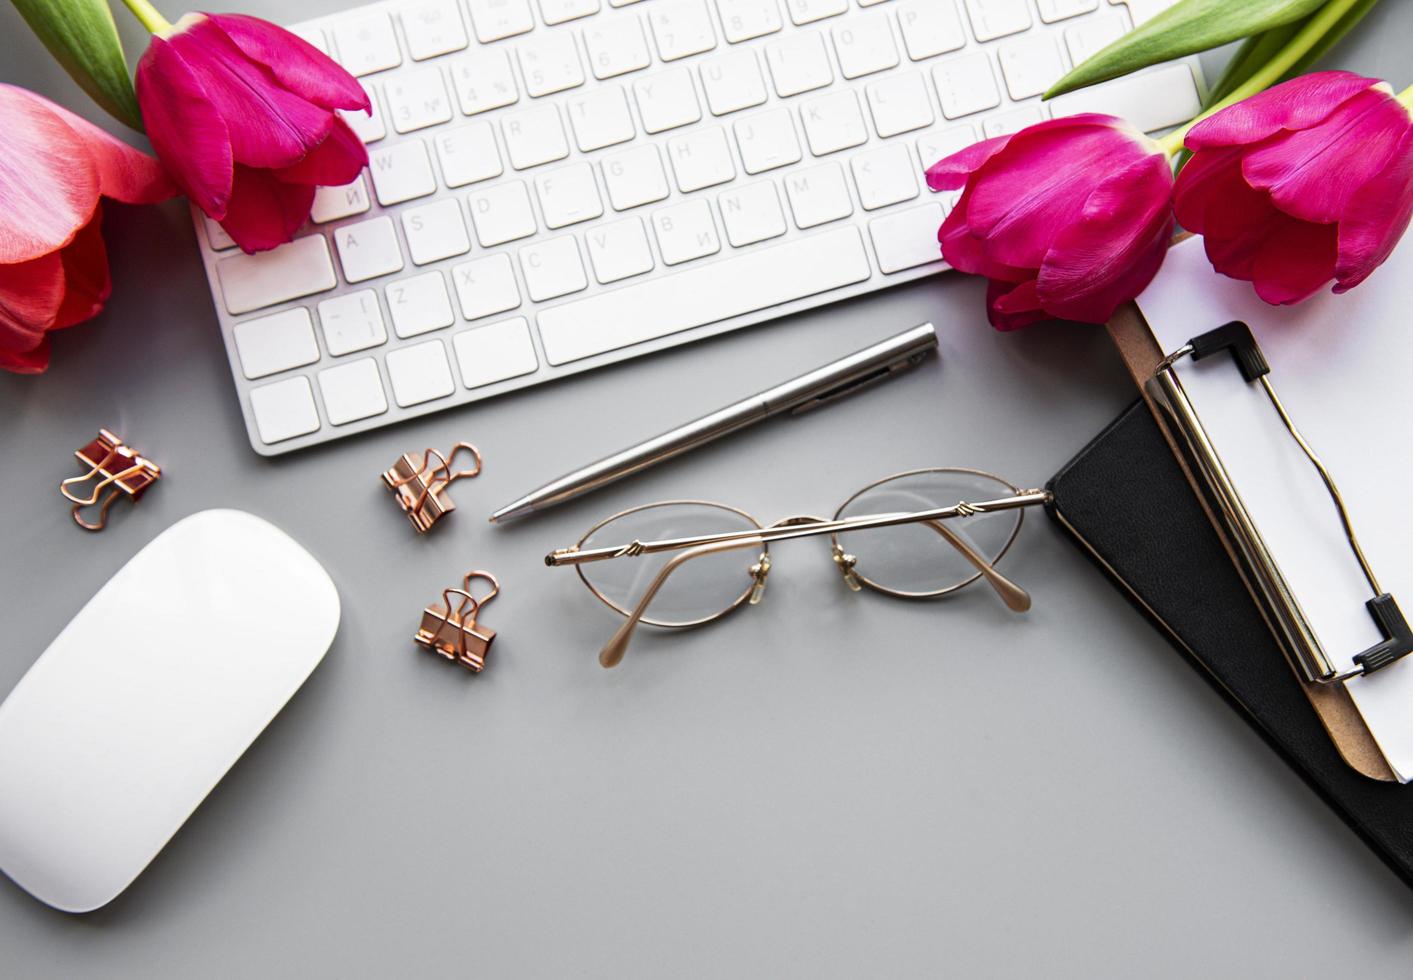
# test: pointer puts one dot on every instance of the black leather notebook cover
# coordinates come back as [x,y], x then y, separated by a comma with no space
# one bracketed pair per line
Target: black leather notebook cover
[1127,503]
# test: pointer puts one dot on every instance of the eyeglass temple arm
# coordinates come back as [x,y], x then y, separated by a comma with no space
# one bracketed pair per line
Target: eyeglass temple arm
[612,653]
[1015,598]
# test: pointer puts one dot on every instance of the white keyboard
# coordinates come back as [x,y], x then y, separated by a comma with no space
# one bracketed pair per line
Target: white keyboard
[556,185]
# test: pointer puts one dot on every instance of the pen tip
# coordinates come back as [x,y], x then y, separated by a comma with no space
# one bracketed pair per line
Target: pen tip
[509,513]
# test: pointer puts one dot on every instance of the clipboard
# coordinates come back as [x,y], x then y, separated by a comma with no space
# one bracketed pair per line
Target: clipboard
[1364,716]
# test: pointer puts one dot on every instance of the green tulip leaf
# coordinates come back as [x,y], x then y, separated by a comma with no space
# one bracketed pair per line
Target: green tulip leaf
[1185,28]
[82,36]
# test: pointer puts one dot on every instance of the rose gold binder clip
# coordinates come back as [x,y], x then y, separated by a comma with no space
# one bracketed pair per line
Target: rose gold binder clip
[453,631]
[420,484]
[110,464]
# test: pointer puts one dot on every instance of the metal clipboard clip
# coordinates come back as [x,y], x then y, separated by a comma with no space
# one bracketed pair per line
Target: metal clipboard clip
[420,485]
[113,464]
[1283,609]
[452,631]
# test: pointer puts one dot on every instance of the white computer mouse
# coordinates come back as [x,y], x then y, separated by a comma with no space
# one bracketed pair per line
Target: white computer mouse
[139,707]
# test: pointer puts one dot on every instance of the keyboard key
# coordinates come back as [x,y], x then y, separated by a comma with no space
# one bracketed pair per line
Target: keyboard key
[276,343]
[1004,123]
[495,352]
[1053,10]
[700,159]
[1143,11]
[616,47]
[534,136]
[930,27]
[965,84]
[502,214]
[417,99]
[401,172]
[667,100]
[483,81]
[550,63]
[420,373]
[1030,65]
[485,286]
[284,410]
[754,280]
[367,126]
[1150,100]
[332,203]
[864,46]
[885,175]
[619,250]
[907,239]
[366,42]
[352,391]
[495,19]
[600,118]
[742,20]
[312,35]
[568,195]
[468,153]
[751,213]
[1093,34]
[560,11]
[681,28]
[833,122]
[899,104]
[552,268]
[419,305]
[216,236]
[352,322]
[939,144]
[298,268]
[732,81]
[798,64]
[767,140]
[809,11]
[435,231]
[818,195]
[991,19]
[634,177]
[685,231]
[432,27]
[368,249]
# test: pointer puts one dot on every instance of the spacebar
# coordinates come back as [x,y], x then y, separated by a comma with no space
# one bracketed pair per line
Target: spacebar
[750,281]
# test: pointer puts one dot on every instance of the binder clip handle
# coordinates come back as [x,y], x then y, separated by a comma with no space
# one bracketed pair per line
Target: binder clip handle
[1237,338]
[1398,637]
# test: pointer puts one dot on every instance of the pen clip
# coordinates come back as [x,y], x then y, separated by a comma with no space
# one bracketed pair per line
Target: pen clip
[847,388]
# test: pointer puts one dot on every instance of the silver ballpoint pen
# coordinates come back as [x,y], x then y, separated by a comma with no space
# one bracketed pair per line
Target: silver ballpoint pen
[808,391]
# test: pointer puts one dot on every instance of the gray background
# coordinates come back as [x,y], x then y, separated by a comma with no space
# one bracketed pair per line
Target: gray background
[829,784]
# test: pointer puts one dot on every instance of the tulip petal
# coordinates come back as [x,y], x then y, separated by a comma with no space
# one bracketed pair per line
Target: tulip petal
[966,253]
[32,361]
[30,296]
[187,132]
[124,173]
[952,172]
[1377,217]
[1202,182]
[1296,259]
[333,163]
[265,211]
[1311,174]
[269,126]
[87,284]
[48,183]
[299,66]
[1114,249]
[1297,104]
[1011,306]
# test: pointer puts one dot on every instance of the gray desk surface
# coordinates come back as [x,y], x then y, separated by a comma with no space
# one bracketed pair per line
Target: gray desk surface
[829,784]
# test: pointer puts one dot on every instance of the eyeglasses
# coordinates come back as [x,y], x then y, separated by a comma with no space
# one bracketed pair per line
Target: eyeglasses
[915,535]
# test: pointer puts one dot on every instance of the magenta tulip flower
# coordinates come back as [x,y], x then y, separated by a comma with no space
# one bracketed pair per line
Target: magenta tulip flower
[1067,218]
[1307,182]
[242,113]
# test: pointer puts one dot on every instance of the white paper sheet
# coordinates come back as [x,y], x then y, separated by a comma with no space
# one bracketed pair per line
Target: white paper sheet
[1343,366]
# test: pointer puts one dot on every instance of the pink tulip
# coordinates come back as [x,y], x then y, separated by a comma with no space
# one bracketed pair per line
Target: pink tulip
[1306,182]
[54,168]
[1068,218]
[242,114]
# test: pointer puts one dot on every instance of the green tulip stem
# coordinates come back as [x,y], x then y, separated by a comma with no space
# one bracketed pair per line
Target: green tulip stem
[1283,60]
[150,16]
[1405,97]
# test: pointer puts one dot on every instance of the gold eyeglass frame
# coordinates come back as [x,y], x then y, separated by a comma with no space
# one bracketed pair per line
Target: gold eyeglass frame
[1015,598]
